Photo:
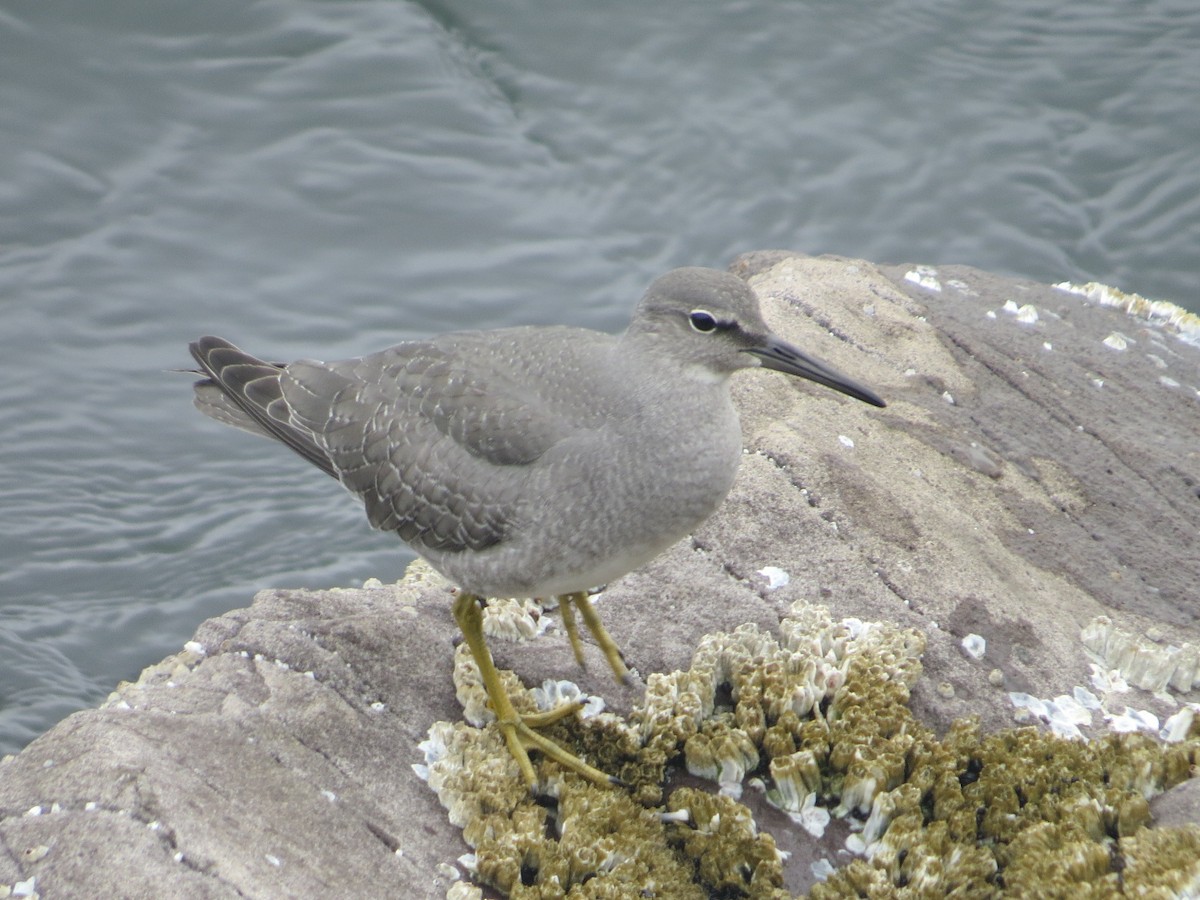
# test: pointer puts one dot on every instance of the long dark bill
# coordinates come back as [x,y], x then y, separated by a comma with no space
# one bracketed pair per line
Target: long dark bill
[783,357]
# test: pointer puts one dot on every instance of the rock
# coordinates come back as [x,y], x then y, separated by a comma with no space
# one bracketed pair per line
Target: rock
[1026,478]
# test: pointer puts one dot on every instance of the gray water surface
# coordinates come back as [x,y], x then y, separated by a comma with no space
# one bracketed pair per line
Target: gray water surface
[320,178]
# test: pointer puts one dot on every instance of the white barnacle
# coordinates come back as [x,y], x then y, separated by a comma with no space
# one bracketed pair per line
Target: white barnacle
[1179,725]
[1066,714]
[776,577]
[924,276]
[974,646]
[553,694]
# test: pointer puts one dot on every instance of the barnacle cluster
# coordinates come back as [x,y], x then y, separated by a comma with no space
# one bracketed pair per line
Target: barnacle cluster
[1027,813]
[1150,665]
[1186,324]
[818,713]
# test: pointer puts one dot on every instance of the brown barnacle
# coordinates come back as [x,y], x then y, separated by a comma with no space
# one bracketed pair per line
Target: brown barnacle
[547,865]
[588,823]
[941,866]
[859,787]
[509,850]
[808,681]
[702,679]
[513,620]
[891,833]
[1000,820]
[814,735]
[1156,861]
[510,857]
[901,652]
[613,845]
[950,807]
[870,703]
[807,627]
[474,775]
[645,776]
[846,746]
[1132,762]
[884,808]
[770,680]
[796,777]
[779,739]
[670,705]
[730,856]
[1180,761]
[750,721]
[1045,858]
[1018,811]
[608,743]
[917,855]
[925,762]
[720,752]
[856,879]
[961,741]
[751,689]
[468,686]
[870,772]
[721,658]
[752,643]
[1132,813]
[1087,816]
[893,758]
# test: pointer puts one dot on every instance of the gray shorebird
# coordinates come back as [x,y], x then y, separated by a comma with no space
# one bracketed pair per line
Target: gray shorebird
[529,462]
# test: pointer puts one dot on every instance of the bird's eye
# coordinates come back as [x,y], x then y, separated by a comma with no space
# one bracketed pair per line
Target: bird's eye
[702,321]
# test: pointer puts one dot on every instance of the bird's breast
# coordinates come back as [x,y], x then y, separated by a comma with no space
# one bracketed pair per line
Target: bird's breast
[675,461]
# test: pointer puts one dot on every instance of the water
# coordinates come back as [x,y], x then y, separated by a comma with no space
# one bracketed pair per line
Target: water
[325,178]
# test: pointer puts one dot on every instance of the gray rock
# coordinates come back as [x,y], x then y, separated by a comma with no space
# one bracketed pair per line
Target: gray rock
[1024,479]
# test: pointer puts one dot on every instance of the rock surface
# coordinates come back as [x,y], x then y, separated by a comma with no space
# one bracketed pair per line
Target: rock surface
[1027,477]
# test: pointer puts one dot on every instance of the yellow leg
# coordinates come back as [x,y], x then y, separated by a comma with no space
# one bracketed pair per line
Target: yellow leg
[517,729]
[566,609]
[592,620]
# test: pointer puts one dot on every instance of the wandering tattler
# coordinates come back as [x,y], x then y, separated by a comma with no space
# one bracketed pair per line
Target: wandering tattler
[529,462]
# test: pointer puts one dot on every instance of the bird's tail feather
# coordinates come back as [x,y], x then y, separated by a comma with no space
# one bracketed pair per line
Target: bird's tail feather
[245,392]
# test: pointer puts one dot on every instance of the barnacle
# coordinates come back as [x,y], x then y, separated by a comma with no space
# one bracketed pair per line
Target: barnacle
[722,753]
[731,855]
[820,713]
[1146,664]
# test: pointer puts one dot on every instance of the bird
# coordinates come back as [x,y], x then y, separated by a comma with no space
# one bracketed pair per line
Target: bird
[530,461]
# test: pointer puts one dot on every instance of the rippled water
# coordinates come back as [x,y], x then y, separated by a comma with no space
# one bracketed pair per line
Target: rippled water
[325,178]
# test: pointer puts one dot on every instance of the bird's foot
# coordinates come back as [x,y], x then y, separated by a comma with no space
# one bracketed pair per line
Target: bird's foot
[520,736]
[519,730]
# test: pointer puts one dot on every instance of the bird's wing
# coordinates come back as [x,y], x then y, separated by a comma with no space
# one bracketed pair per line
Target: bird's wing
[434,436]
